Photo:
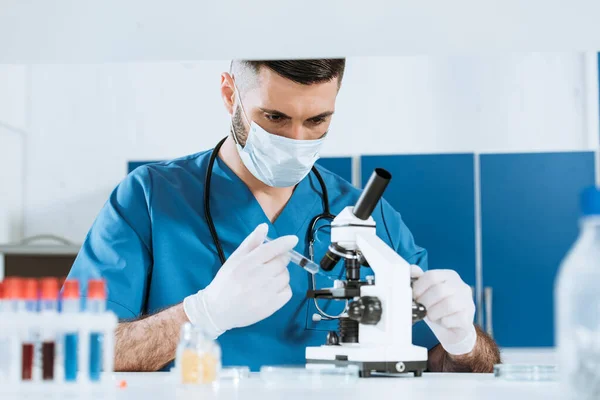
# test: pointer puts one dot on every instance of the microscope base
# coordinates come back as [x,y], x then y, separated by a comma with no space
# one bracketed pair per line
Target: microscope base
[366,368]
[369,359]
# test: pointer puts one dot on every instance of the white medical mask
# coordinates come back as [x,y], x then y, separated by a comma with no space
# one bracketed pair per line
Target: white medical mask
[277,161]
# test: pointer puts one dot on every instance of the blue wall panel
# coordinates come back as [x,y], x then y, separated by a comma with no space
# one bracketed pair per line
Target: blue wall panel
[338,165]
[529,221]
[435,196]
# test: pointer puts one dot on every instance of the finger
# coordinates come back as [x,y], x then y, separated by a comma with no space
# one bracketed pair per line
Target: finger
[446,307]
[416,271]
[431,278]
[270,269]
[456,320]
[275,248]
[252,241]
[272,283]
[269,305]
[435,294]
[460,301]
[282,281]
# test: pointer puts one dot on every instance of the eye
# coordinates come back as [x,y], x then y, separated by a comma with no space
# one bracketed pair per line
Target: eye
[317,121]
[273,117]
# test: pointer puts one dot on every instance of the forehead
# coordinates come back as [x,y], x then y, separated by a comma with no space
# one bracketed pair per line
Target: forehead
[273,91]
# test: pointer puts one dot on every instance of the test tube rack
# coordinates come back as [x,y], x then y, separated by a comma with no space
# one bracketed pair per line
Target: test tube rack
[19,328]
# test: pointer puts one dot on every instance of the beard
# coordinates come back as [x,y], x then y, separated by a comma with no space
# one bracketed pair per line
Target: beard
[238,130]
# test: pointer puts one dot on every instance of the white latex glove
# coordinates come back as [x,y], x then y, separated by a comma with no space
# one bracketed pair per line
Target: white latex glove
[251,285]
[450,308]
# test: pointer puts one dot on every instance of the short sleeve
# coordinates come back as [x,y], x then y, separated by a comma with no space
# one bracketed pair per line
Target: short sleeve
[118,246]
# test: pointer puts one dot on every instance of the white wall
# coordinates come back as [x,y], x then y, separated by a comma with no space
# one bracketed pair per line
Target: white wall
[82,123]
[519,102]
[13,125]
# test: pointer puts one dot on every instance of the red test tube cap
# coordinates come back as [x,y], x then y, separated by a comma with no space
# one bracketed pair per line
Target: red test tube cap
[49,289]
[30,289]
[1,289]
[96,289]
[71,289]
[61,282]
[13,288]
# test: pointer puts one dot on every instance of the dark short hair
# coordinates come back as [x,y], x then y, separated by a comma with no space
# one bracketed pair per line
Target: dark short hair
[305,72]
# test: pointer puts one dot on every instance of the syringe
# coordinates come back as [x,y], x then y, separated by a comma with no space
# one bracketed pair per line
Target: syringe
[298,259]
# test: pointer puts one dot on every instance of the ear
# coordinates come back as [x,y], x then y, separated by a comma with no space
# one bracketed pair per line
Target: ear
[227,91]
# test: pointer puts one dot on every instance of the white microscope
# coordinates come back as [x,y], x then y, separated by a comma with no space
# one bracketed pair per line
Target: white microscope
[375,332]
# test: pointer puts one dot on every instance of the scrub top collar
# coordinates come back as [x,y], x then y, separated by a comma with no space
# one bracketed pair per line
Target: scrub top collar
[303,204]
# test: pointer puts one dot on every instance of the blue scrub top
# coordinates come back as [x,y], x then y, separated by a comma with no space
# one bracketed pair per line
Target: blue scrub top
[152,245]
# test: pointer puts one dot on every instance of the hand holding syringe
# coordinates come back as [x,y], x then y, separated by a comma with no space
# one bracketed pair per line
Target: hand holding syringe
[308,265]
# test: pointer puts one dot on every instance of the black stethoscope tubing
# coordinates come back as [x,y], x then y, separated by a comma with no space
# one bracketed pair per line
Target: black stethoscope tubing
[326,214]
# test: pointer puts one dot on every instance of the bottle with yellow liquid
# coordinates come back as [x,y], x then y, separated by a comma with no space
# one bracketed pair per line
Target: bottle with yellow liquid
[198,359]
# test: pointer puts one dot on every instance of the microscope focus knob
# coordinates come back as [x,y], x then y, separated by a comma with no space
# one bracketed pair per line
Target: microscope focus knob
[366,310]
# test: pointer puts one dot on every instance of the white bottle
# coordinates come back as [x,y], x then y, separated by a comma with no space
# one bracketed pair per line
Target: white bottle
[577,306]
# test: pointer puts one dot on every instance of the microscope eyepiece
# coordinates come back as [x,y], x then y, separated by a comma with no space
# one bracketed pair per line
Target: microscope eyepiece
[372,193]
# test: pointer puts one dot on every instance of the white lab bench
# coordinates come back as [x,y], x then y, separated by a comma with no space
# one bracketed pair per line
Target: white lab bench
[155,386]
[159,385]
[151,386]
[464,386]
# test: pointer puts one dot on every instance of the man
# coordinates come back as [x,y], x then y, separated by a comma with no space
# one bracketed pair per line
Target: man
[161,251]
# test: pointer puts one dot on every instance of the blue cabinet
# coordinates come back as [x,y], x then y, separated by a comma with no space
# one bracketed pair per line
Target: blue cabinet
[529,211]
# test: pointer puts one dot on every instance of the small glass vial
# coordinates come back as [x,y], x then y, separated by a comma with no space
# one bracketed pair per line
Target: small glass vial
[198,358]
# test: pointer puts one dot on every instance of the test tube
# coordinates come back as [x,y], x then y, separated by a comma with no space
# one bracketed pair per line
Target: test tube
[61,284]
[96,303]
[13,295]
[49,304]
[71,304]
[4,341]
[49,300]
[30,295]
[30,300]
[2,309]
[13,303]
